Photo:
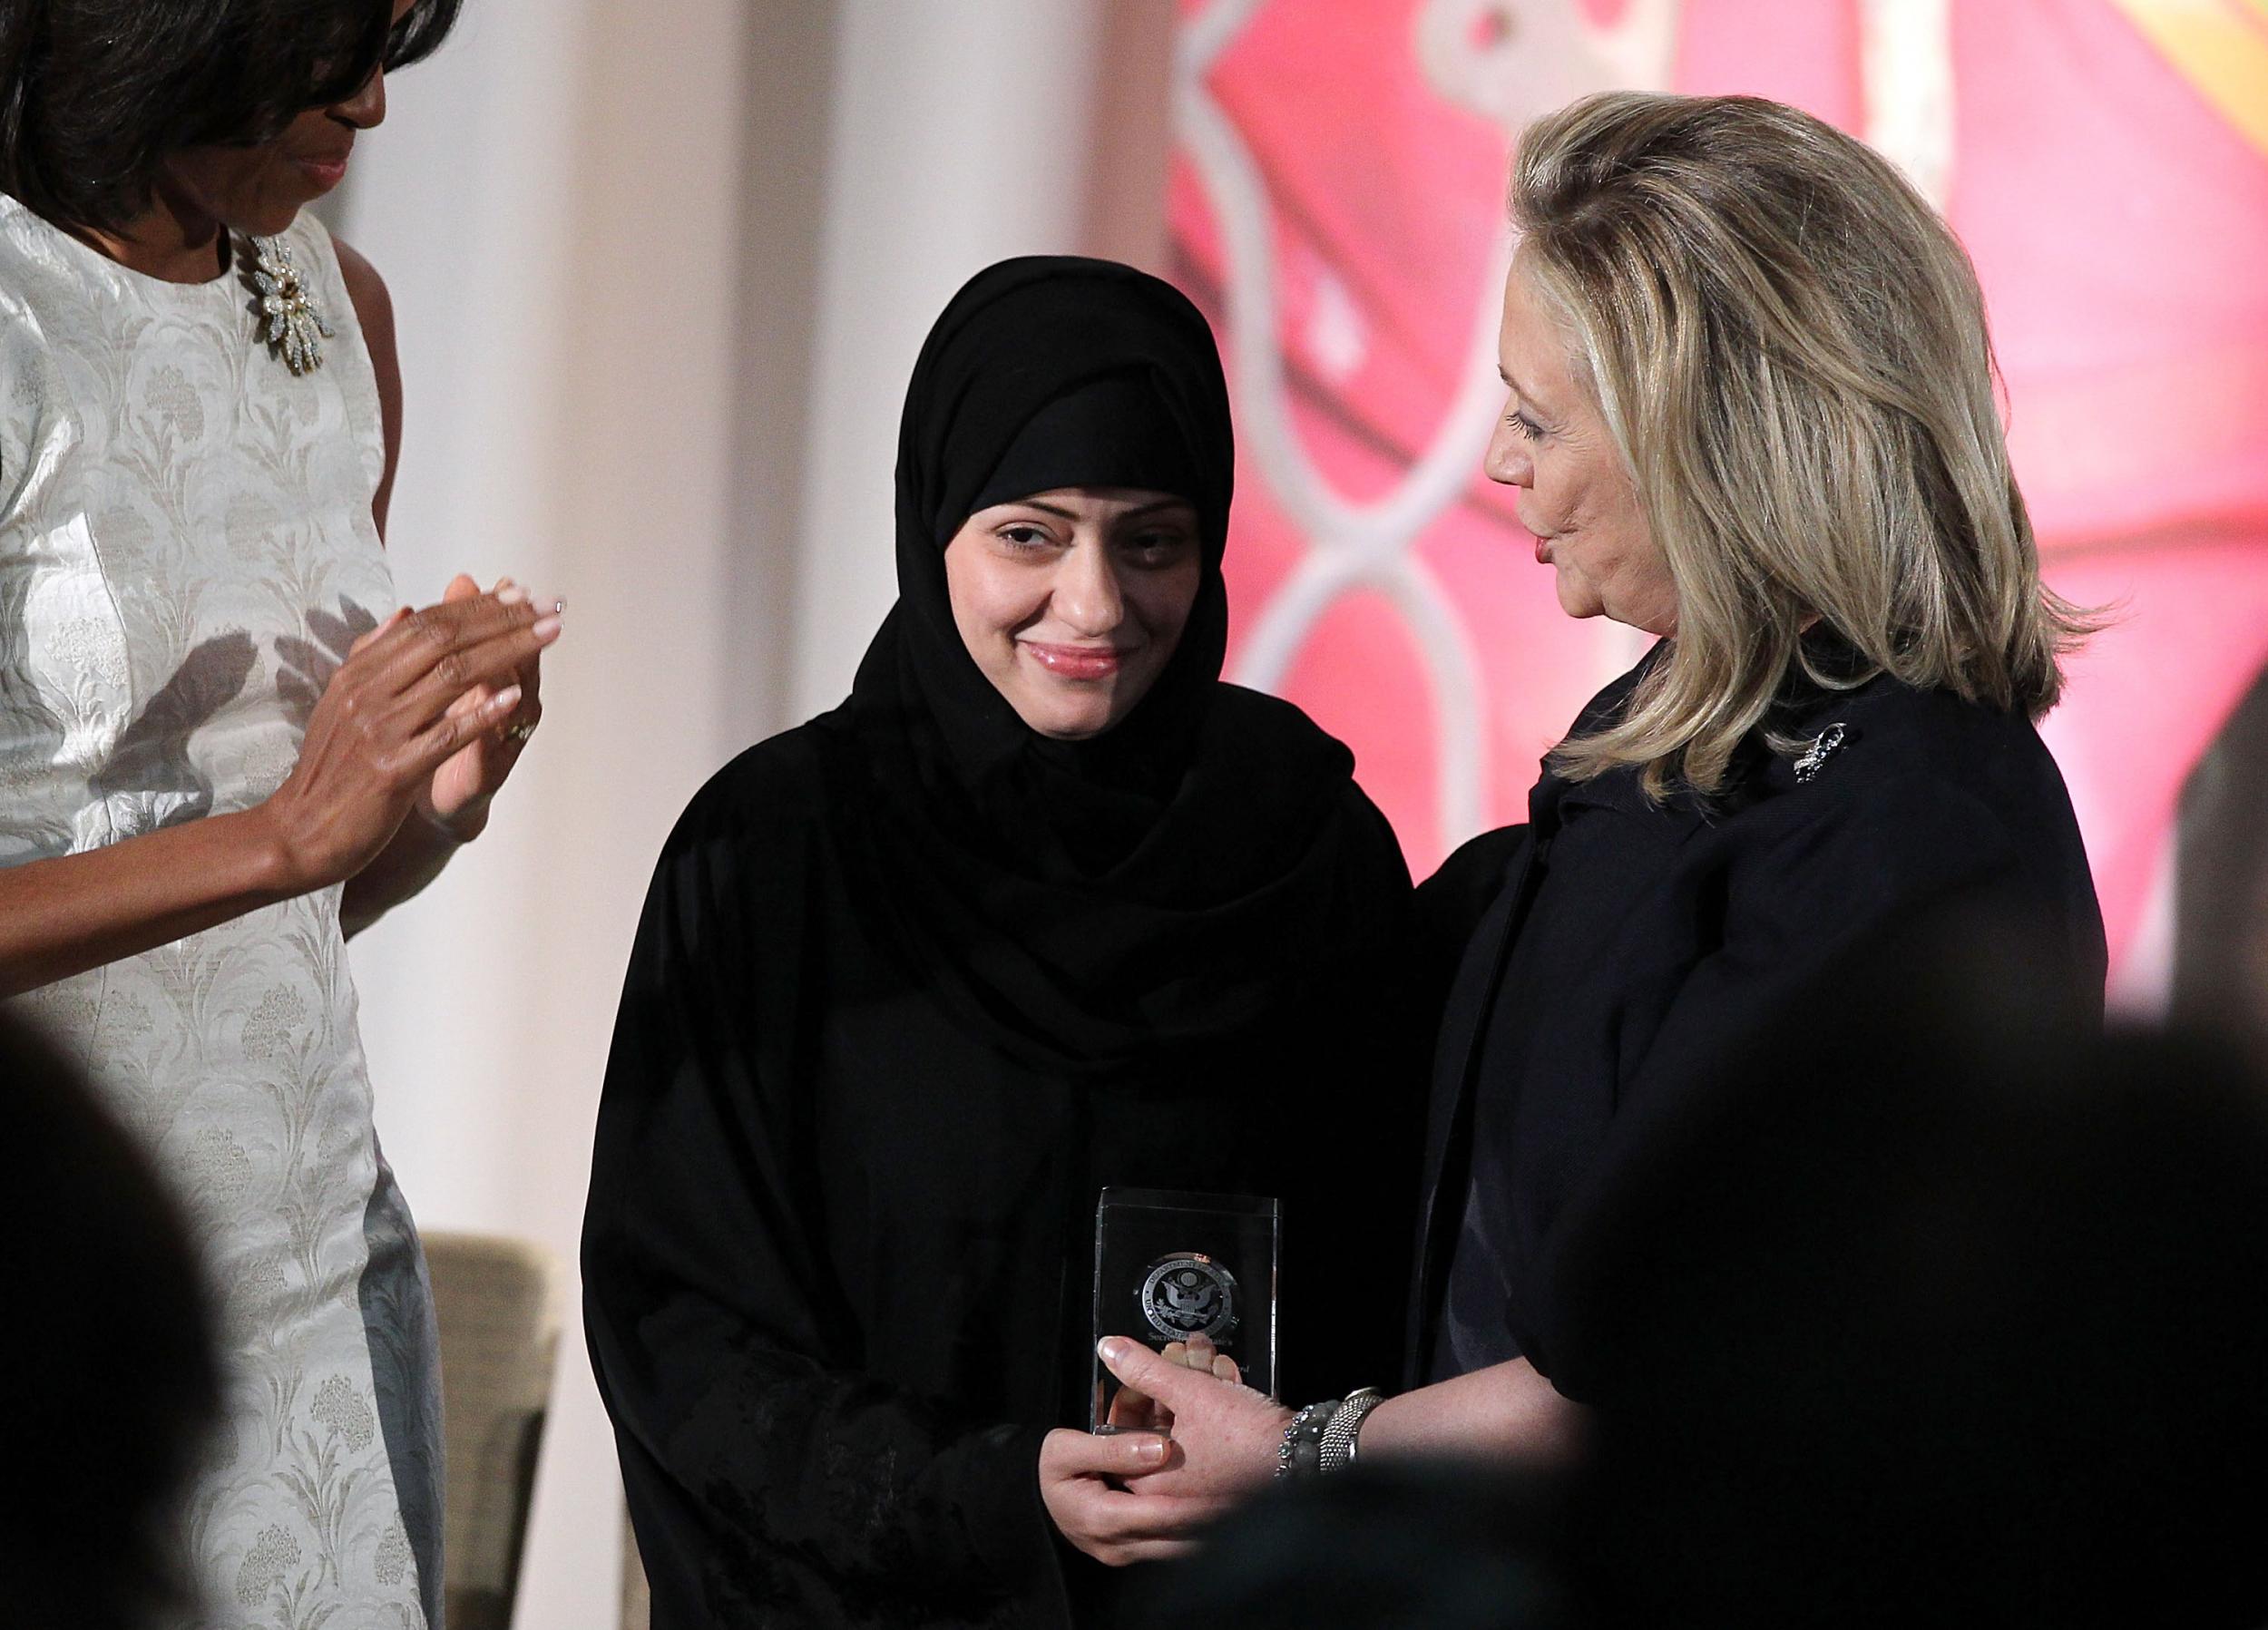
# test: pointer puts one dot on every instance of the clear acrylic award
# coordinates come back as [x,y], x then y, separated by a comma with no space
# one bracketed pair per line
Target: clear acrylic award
[1171,1265]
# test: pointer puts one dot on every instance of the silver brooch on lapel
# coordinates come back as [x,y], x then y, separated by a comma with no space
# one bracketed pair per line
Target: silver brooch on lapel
[1821,748]
[295,325]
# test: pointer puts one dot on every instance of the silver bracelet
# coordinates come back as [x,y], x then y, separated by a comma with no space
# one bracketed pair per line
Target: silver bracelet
[1340,1432]
[1299,1455]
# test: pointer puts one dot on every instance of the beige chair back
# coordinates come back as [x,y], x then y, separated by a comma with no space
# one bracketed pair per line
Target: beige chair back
[499,1316]
[637,1600]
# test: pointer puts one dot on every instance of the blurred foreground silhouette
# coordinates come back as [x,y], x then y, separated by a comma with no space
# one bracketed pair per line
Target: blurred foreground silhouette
[1940,1309]
[108,1379]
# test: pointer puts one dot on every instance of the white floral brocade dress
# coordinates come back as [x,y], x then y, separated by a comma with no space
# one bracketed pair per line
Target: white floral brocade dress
[186,553]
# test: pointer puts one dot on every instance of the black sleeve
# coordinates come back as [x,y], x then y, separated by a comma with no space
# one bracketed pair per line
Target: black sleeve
[768,1480]
[1449,905]
[1347,1318]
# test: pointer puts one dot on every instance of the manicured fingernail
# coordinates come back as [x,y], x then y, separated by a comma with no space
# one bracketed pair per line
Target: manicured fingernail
[510,593]
[559,605]
[545,627]
[1110,1347]
[505,700]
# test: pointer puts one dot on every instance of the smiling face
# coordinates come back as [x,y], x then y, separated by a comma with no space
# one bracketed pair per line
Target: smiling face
[1574,495]
[259,189]
[1073,601]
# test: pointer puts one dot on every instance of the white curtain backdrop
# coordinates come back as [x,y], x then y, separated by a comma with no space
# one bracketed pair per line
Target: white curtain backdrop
[661,271]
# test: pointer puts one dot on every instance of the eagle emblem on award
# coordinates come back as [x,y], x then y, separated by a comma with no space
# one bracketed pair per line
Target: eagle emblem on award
[1189,1294]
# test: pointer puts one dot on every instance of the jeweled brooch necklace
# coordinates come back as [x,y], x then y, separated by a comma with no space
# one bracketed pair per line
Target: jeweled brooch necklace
[295,325]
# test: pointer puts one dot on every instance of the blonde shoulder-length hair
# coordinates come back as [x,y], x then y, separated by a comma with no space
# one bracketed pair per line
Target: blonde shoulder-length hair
[1788,347]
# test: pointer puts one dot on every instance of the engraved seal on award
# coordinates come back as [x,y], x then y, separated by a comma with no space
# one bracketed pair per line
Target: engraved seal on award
[1189,1294]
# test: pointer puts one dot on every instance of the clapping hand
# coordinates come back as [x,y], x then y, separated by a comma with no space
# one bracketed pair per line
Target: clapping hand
[410,721]
[457,797]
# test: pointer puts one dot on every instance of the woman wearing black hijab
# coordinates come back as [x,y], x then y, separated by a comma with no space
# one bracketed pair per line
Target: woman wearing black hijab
[1043,907]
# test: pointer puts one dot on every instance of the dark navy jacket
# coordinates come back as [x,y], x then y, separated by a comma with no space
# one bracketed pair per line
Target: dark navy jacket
[1615,951]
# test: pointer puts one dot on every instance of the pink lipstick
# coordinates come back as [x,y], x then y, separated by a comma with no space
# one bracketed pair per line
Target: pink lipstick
[1075,661]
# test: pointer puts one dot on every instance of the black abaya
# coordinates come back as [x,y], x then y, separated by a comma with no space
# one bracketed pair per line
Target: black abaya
[913,984]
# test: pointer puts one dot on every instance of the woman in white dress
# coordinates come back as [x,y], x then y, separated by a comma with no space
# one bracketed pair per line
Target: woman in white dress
[222,749]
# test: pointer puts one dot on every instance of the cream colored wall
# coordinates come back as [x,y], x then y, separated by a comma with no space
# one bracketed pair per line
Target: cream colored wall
[660,271]
[553,204]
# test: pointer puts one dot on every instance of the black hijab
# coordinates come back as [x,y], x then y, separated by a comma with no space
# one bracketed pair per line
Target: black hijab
[1095,906]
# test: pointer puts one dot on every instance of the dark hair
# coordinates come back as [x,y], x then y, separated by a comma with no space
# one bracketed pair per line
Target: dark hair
[95,93]
[110,1371]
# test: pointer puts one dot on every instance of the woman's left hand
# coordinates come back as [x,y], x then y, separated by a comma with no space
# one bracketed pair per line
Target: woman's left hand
[1225,1434]
[458,797]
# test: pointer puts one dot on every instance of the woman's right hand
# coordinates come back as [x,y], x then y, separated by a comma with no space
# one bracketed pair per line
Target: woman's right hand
[1131,1410]
[1080,1477]
[384,725]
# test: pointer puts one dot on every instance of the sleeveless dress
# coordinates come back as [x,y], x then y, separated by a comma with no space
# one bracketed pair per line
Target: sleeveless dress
[186,553]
